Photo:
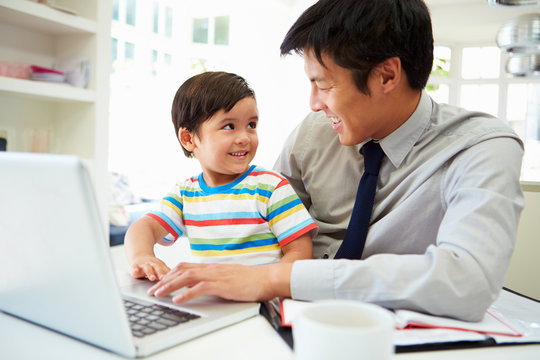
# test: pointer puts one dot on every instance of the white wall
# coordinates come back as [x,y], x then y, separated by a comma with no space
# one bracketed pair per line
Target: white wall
[524,273]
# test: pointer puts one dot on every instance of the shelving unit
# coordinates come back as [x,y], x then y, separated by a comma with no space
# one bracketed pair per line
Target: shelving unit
[74,119]
[44,90]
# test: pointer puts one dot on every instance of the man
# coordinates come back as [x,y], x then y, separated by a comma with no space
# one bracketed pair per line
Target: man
[448,198]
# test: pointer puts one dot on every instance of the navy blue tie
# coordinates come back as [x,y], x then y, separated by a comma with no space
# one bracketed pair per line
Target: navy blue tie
[355,237]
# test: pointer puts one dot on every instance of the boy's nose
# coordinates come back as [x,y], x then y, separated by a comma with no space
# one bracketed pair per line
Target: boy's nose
[242,138]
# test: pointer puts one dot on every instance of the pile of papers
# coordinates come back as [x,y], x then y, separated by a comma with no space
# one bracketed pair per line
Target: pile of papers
[45,74]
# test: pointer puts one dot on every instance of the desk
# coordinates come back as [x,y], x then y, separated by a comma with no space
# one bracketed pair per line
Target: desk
[250,339]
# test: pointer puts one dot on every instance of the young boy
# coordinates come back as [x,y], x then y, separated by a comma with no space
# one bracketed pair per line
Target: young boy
[233,212]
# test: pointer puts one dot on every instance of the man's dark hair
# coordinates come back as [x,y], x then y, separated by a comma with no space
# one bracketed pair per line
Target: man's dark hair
[202,96]
[360,34]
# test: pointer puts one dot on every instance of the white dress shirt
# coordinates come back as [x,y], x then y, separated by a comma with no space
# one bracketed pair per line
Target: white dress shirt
[444,221]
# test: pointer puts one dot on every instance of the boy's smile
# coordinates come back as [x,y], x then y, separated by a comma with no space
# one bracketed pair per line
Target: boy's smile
[227,143]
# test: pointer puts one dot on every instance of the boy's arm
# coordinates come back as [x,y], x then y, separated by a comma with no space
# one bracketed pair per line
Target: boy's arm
[298,249]
[139,243]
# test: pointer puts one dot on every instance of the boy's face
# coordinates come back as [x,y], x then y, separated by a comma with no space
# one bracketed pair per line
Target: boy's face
[227,142]
[355,115]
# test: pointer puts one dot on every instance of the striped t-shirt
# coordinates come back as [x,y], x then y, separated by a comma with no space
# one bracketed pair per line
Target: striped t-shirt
[246,221]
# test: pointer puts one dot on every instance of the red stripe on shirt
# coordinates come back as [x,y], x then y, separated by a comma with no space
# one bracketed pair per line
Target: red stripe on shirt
[164,224]
[297,234]
[282,183]
[218,222]
[255,173]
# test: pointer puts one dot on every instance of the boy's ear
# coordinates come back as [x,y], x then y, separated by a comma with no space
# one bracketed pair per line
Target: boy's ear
[186,139]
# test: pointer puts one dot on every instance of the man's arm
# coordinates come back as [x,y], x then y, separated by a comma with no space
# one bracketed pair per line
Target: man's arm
[234,282]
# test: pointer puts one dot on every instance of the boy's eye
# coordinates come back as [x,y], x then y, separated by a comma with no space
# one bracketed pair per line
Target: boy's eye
[228,127]
[252,125]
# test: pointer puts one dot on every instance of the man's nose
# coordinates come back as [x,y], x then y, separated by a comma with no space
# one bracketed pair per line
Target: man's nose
[315,103]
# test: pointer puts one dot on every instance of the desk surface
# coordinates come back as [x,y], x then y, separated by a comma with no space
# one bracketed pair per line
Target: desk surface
[250,339]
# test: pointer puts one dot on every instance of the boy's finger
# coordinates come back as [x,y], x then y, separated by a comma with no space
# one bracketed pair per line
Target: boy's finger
[162,270]
[137,272]
[149,271]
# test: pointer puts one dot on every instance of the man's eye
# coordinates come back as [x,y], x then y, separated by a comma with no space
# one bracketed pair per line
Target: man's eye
[252,125]
[228,127]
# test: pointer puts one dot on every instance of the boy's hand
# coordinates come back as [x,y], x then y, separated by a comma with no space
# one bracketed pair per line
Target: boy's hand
[150,267]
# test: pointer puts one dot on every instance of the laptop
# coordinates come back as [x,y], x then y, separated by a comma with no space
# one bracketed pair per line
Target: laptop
[57,270]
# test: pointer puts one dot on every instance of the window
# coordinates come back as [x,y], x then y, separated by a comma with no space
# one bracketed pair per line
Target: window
[168,22]
[130,12]
[154,61]
[481,62]
[129,51]
[200,30]
[477,83]
[116,10]
[156,17]
[481,65]
[221,30]
[483,97]
[167,59]
[438,86]
[198,66]
[442,57]
[114,54]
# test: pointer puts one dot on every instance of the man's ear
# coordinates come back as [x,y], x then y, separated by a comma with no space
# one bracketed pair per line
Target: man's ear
[187,139]
[390,74]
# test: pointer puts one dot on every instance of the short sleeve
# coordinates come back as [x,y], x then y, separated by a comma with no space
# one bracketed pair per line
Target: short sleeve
[170,216]
[286,215]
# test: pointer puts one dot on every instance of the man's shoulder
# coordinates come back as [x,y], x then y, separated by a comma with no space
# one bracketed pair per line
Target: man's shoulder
[315,132]
[317,122]
[476,126]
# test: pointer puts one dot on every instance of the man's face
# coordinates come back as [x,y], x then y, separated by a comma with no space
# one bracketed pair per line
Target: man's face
[355,115]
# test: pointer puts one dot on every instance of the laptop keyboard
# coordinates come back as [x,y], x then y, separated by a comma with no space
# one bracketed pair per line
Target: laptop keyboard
[146,319]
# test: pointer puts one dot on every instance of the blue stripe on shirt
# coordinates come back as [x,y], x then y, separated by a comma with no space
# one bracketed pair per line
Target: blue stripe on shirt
[246,245]
[175,202]
[165,218]
[294,229]
[283,208]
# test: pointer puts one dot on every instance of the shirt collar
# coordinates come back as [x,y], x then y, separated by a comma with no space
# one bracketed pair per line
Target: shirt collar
[399,143]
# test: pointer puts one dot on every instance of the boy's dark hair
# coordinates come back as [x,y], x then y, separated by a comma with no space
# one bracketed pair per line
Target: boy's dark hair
[203,95]
[359,34]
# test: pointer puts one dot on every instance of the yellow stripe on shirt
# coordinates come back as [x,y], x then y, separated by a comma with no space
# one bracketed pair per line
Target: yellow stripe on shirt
[285,214]
[207,253]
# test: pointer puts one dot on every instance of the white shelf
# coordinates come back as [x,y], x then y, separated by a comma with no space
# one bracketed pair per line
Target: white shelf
[46,90]
[76,118]
[42,18]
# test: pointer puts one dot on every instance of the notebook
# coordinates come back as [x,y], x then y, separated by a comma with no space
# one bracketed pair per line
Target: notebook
[57,270]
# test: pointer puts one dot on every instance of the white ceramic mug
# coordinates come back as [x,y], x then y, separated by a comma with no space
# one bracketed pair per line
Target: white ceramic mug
[343,329]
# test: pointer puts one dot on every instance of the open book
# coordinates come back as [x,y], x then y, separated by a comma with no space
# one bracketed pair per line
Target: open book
[405,319]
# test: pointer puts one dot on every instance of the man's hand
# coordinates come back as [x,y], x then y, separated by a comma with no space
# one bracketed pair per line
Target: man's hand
[233,282]
[150,267]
